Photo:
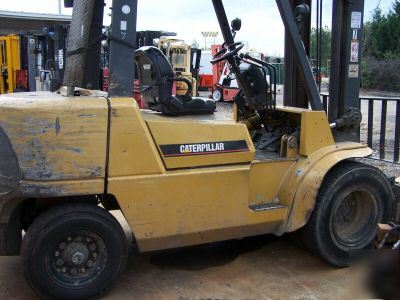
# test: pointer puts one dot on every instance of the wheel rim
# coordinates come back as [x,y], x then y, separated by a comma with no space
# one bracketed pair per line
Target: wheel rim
[354,219]
[216,95]
[78,258]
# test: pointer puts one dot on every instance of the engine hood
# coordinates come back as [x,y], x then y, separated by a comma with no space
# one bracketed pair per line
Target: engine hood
[51,137]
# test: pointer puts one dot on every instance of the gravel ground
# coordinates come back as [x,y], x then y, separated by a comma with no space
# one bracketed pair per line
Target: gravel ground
[388,168]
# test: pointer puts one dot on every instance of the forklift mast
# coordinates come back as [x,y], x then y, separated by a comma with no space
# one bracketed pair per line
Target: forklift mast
[84,45]
[345,70]
[345,75]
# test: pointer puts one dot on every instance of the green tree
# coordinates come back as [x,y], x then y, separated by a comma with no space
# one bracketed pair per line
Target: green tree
[382,33]
[325,45]
[381,50]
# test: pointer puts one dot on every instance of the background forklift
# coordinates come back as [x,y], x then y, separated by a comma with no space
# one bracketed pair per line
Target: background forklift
[33,61]
[184,59]
[181,173]
[185,62]
[9,63]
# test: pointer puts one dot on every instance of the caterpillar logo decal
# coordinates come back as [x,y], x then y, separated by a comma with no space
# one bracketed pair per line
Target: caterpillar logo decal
[176,150]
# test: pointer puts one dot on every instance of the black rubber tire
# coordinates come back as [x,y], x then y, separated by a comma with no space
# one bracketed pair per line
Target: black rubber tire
[43,236]
[318,234]
[221,95]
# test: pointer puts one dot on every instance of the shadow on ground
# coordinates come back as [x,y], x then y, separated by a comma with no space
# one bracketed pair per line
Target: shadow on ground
[210,255]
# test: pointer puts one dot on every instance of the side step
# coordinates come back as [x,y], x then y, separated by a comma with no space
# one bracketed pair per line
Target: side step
[266,206]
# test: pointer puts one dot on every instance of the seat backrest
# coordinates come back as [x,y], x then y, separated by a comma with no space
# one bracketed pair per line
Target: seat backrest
[155,76]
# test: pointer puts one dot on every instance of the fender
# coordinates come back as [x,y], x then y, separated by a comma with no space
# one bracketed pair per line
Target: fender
[306,177]
[10,175]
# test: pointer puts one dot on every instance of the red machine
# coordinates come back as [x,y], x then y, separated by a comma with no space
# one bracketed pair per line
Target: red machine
[215,82]
[22,81]
[221,82]
[136,93]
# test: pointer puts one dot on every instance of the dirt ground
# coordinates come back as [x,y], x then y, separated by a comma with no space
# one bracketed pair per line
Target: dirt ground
[264,267]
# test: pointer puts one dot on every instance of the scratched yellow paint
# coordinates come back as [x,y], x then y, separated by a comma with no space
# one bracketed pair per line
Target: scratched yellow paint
[306,177]
[61,144]
[189,207]
[171,207]
[132,150]
[55,137]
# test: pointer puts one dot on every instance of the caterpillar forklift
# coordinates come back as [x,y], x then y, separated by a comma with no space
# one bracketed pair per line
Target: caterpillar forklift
[180,172]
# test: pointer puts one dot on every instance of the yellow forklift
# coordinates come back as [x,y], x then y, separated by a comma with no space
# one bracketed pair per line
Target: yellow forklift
[9,63]
[180,56]
[180,172]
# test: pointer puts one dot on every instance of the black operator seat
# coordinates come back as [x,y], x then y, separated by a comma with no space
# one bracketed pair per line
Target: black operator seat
[156,79]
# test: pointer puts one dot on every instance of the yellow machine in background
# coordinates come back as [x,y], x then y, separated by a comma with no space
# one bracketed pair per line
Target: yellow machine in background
[9,63]
[179,55]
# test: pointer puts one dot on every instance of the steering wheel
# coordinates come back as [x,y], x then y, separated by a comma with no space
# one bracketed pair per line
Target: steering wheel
[225,53]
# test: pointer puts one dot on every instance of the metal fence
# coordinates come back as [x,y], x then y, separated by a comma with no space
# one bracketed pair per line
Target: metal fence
[280,70]
[382,127]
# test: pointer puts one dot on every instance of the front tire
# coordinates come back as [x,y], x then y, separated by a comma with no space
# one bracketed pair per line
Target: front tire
[74,251]
[217,95]
[352,200]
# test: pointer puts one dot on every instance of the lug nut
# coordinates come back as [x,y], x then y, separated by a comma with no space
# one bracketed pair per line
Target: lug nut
[64,269]
[62,246]
[57,253]
[82,270]
[88,240]
[59,262]
[92,247]
[90,263]
[95,255]
[74,271]
[69,239]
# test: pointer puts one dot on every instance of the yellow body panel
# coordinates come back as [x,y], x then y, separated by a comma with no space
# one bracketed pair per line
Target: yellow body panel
[57,139]
[191,207]
[62,188]
[132,150]
[315,132]
[266,180]
[167,131]
[307,184]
